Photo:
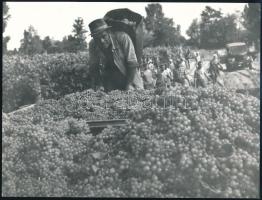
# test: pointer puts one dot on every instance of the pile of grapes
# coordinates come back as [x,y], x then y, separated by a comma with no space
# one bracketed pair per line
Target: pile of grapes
[182,142]
[90,105]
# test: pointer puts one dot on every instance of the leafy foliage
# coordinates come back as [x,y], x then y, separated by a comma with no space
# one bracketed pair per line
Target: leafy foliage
[252,22]
[213,30]
[51,76]
[194,33]
[229,28]
[47,44]
[5,41]
[31,43]
[6,17]
[79,32]
[76,42]
[210,36]
[163,29]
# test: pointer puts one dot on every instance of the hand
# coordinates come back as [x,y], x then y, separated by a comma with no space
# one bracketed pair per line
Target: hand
[96,88]
[129,87]
[101,88]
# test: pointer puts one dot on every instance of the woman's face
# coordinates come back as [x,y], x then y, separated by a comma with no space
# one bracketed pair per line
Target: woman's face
[103,39]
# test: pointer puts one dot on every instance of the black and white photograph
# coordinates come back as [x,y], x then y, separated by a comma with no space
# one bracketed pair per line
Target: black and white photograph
[131,99]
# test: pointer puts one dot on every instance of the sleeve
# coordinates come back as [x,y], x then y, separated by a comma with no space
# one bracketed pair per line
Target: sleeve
[93,59]
[93,64]
[129,50]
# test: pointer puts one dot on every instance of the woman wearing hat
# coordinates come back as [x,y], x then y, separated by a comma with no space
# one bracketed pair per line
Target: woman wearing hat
[113,61]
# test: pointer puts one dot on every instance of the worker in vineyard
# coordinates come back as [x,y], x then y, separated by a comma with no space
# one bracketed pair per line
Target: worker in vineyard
[147,75]
[156,70]
[160,82]
[171,64]
[249,62]
[187,57]
[167,75]
[113,61]
[199,76]
[214,69]
[197,57]
[180,73]
[155,67]
[150,64]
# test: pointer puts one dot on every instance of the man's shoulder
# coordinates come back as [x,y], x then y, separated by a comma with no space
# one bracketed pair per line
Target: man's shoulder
[121,35]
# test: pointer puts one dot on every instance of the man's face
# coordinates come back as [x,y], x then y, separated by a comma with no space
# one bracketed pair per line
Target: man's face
[103,39]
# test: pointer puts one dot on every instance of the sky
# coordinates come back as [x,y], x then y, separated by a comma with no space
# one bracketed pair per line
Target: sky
[55,19]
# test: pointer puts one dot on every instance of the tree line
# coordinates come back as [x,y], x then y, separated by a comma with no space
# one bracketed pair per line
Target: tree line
[213,30]
[32,44]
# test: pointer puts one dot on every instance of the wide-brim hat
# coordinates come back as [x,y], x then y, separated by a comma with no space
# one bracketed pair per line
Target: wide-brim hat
[97,26]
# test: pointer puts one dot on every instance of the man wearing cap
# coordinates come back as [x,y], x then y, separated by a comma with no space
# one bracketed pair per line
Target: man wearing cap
[113,61]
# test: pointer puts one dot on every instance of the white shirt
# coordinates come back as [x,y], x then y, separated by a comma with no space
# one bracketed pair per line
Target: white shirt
[197,57]
[167,72]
